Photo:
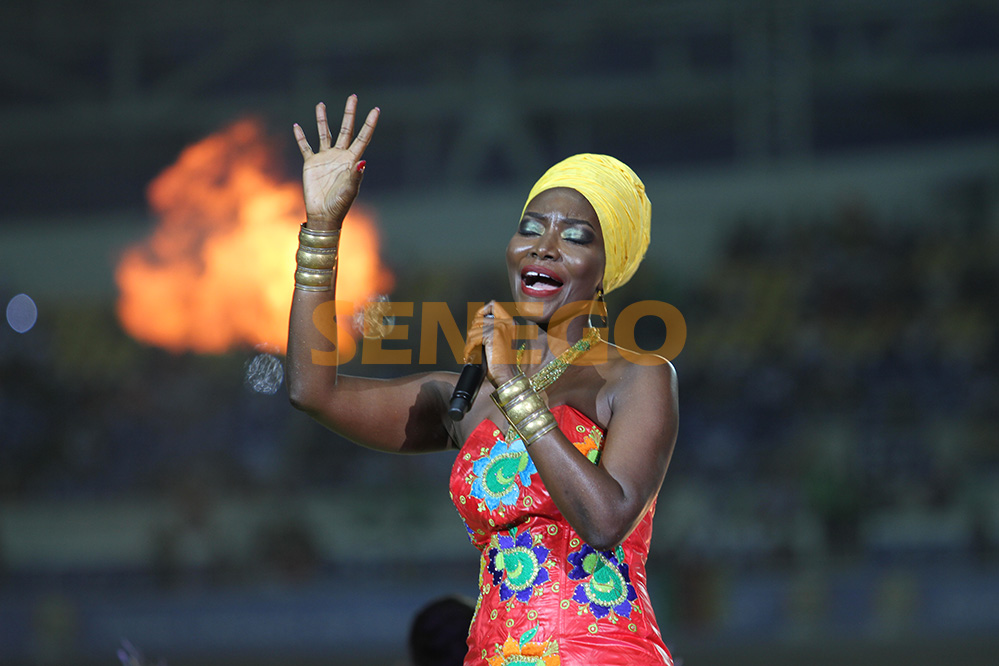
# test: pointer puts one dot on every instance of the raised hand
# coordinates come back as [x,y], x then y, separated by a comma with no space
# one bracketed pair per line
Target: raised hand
[332,175]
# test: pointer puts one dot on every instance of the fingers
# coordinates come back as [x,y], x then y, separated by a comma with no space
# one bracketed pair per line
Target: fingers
[364,136]
[347,124]
[477,337]
[324,127]
[493,329]
[356,147]
[473,346]
[496,310]
[303,143]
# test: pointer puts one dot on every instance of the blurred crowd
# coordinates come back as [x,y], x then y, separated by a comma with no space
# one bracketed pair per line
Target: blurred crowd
[839,388]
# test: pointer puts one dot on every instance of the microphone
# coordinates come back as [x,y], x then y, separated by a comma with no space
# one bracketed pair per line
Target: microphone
[465,390]
[467,387]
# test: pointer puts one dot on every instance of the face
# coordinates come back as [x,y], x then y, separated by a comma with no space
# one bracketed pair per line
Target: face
[557,255]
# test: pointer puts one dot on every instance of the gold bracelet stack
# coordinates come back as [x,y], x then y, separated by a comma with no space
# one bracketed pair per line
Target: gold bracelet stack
[524,408]
[316,259]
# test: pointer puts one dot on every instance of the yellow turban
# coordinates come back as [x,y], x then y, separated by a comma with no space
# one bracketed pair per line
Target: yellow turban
[618,196]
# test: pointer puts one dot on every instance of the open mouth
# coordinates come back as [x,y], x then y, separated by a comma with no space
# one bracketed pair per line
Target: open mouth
[539,282]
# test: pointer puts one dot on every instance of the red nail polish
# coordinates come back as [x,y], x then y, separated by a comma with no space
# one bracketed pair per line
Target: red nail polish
[361,165]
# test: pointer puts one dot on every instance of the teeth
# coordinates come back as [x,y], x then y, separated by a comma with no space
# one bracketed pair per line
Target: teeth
[541,281]
[540,276]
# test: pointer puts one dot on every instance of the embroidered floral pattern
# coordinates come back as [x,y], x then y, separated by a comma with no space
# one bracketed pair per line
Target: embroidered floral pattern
[516,564]
[542,592]
[606,585]
[497,473]
[589,445]
[526,650]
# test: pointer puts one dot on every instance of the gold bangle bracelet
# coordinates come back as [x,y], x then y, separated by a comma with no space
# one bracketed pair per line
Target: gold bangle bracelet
[522,407]
[318,239]
[305,287]
[536,426]
[314,257]
[517,385]
[314,277]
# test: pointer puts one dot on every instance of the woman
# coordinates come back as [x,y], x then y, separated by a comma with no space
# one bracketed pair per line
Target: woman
[559,467]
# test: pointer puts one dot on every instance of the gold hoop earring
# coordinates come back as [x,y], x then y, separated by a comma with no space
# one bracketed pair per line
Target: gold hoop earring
[598,311]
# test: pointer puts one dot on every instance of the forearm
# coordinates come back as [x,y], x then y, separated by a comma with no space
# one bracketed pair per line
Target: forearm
[402,415]
[591,499]
[593,502]
[313,351]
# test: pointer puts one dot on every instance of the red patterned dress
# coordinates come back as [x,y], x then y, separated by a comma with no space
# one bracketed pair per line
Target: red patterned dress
[546,597]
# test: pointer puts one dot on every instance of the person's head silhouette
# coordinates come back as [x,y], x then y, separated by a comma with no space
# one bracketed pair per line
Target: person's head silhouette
[437,636]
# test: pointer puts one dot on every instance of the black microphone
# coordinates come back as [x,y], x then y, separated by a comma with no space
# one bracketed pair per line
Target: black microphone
[467,387]
[465,390]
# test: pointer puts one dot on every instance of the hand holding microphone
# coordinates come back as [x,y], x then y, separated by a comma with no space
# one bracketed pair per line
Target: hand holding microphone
[486,339]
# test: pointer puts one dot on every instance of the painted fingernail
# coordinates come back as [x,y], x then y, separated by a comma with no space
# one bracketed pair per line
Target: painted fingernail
[361,165]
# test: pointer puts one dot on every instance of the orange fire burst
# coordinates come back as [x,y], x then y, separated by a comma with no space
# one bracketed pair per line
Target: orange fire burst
[217,272]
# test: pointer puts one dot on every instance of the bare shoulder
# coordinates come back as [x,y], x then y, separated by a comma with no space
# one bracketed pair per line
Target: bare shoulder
[642,376]
[640,400]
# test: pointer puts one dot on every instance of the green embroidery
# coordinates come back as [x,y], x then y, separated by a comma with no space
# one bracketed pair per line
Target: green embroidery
[502,472]
[521,567]
[606,585]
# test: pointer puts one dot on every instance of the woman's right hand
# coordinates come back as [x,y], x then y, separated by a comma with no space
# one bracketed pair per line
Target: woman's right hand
[332,176]
[493,332]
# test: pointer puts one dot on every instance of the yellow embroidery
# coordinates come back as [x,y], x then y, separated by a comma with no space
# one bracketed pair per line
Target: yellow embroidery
[526,650]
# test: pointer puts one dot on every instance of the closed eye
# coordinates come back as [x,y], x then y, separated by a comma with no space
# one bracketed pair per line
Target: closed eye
[529,227]
[578,235]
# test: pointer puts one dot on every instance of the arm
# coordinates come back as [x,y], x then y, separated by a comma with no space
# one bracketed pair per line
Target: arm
[605,502]
[403,415]
[602,502]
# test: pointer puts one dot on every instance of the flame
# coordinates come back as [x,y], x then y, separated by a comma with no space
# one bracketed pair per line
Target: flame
[218,270]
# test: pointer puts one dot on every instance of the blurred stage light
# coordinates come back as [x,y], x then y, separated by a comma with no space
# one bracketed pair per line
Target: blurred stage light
[22,313]
[264,374]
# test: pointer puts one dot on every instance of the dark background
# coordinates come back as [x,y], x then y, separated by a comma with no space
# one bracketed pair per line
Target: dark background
[825,188]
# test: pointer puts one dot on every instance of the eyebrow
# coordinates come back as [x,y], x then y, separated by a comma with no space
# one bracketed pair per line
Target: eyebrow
[569,220]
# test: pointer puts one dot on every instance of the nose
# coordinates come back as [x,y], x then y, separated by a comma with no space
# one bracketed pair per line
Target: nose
[546,246]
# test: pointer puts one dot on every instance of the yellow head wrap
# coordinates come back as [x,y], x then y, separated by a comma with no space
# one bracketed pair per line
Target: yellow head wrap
[618,197]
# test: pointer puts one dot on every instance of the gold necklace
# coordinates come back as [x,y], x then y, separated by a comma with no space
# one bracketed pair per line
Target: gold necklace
[552,370]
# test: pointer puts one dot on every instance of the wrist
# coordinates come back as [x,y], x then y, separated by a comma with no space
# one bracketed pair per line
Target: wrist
[524,409]
[323,223]
[503,376]
[316,258]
